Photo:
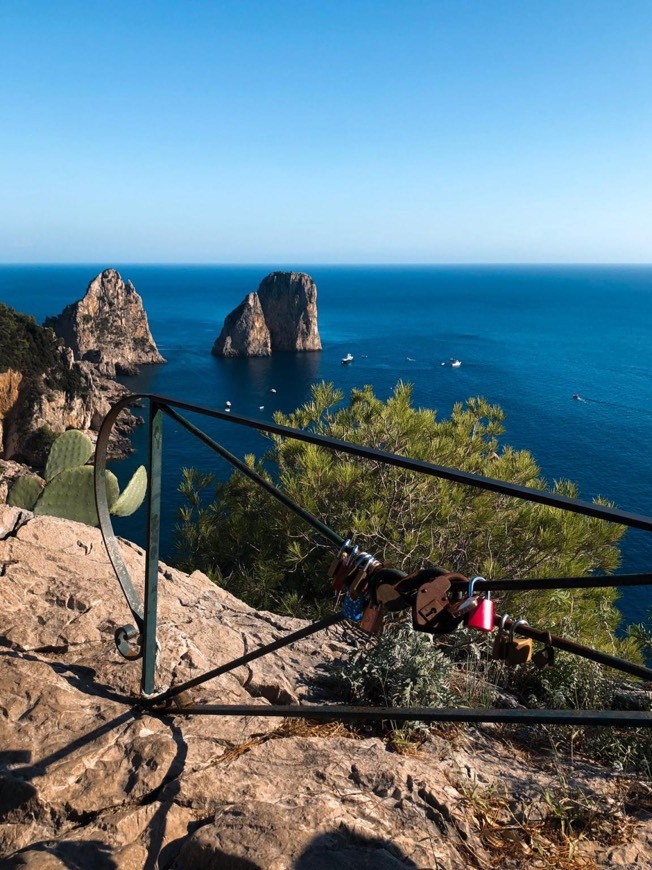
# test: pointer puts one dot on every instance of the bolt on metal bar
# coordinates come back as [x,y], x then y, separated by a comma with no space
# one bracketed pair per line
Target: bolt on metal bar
[257,478]
[101,501]
[491,484]
[612,718]
[326,622]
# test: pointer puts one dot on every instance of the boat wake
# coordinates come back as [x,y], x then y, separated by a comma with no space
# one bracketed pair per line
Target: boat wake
[604,403]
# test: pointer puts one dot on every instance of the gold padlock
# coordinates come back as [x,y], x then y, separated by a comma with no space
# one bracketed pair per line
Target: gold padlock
[518,651]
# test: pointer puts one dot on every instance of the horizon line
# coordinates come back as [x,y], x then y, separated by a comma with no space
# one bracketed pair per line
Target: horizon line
[341,264]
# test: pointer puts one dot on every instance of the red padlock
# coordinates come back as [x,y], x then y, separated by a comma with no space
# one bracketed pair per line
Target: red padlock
[483,617]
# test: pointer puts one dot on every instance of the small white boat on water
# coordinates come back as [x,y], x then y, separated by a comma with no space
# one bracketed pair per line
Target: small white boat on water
[455,363]
[347,359]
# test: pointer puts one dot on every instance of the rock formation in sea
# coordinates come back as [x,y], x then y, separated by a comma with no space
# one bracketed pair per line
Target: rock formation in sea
[47,386]
[88,779]
[280,316]
[108,327]
[245,332]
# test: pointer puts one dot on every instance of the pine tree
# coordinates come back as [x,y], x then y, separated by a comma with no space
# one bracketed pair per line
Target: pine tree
[248,542]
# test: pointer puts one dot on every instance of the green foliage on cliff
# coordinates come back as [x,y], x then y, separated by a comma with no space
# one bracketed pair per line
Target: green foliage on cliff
[258,549]
[34,350]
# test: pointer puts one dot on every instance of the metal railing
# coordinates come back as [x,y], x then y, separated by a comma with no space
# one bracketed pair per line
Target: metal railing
[140,640]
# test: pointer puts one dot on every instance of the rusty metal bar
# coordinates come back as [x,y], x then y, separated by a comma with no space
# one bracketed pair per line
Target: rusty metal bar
[536,583]
[314,627]
[152,554]
[526,493]
[274,491]
[611,718]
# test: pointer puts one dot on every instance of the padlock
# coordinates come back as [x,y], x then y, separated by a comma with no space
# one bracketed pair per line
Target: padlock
[338,558]
[372,618]
[483,617]
[467,605]
[345,566]
[518,651]
[382,587]
[545,657]
[499,649]
[361,569]
[430,600]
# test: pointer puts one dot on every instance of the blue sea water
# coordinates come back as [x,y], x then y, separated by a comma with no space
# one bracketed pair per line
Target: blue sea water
[529,337]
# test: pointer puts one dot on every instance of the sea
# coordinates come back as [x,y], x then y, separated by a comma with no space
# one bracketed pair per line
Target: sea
[529,338]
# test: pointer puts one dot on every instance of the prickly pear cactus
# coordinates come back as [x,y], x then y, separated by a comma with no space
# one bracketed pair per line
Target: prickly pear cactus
[25,492]
[132,496]
[71,495]
[71,449]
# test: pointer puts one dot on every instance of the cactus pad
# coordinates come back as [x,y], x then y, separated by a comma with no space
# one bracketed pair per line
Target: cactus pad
[71,449]
[71,495]
[25,492]
[132,496]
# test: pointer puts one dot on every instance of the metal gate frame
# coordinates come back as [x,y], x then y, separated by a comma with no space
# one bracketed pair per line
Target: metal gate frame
[140,640]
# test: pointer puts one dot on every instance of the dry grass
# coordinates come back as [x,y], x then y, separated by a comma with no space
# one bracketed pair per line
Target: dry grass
[555,839]
[290,728]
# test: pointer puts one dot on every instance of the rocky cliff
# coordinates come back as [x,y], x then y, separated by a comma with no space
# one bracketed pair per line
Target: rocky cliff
[281,316]
[44,391]
[108,327]
[88,780]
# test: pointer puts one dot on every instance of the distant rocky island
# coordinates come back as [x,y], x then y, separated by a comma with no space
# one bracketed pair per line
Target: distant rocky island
[108,327]
[60,376]
[280,316]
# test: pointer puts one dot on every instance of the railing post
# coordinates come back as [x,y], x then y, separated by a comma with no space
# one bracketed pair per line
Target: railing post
[152,557]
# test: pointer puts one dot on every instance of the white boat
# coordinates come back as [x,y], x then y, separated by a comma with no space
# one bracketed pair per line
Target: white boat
[347,359]
[455,363]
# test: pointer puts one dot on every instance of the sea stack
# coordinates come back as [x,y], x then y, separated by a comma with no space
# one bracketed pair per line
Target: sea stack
[108,326]
[280,316]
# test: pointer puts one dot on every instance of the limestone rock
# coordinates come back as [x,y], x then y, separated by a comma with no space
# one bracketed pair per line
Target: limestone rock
[89,780]
[289,303]
[245,332]
[281,316]
[108,326]
[44,391]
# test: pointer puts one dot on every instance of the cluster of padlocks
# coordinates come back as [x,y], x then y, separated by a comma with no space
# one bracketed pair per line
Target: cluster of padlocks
[371,589]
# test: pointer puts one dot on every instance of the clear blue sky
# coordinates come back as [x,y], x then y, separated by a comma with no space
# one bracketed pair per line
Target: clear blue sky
[275,131]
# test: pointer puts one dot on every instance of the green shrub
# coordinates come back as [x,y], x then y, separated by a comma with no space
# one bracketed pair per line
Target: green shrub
[401,668]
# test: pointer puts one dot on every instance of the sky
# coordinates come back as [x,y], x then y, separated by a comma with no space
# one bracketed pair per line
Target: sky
[326,131]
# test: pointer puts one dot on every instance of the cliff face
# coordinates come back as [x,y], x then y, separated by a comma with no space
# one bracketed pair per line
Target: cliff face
[281,316]
[44,391]
[108,327]
[245,332]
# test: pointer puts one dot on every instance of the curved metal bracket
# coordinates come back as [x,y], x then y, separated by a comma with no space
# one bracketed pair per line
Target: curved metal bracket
[123,641]
[133,601]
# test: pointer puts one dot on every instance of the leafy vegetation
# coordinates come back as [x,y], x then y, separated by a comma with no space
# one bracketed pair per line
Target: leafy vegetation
[35,350]
[67,489]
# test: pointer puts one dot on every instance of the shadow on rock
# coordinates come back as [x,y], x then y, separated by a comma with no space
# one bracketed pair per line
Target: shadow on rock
[347,850]
[80,855]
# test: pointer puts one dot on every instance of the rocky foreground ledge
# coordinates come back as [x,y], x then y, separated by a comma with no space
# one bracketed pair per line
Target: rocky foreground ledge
[88,782]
